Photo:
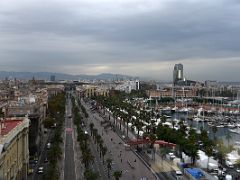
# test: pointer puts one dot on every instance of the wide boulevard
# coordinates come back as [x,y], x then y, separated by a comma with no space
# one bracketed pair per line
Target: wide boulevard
[69,161]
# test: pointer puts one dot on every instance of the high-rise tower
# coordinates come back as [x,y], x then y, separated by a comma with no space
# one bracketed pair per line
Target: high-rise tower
[177,73]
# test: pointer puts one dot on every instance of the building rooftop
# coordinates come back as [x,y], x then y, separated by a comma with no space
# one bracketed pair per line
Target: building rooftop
[8,125]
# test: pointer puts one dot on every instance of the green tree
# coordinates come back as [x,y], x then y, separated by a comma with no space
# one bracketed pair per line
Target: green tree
[117,174]
[153,138]
[163,119]
[214,130]
[208,151]
[228,137]
[95,133]
[91,126]
[87,158]
[90,175]
[48,122]
[238,163]
[109,165]
[104,151]
[222,151]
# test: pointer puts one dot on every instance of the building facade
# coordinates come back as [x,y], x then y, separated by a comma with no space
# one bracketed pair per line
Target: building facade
[177,73]
[14,154]
[91,91]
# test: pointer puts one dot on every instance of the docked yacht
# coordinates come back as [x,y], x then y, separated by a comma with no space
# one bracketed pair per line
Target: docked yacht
[235,130]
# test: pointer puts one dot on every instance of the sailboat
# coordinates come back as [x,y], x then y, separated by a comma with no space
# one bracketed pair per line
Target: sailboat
[198,116]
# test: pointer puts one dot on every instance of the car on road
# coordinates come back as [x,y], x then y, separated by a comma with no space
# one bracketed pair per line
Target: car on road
[178,174]
[40,170]
[238,170]
[48,145]
[46,160]
[228,177]
[172,156]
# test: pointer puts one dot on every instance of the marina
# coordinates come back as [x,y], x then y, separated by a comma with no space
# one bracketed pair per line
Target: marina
[227,127]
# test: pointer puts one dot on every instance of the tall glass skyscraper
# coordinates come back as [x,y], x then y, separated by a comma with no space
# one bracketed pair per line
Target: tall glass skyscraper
[177,73]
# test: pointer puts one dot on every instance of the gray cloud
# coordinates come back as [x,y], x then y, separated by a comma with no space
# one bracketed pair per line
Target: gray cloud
[118,36]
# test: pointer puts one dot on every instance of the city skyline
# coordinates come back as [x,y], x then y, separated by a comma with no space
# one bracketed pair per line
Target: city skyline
[136,38]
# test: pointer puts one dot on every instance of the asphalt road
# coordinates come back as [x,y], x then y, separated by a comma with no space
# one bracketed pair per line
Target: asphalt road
[69,161]
[42,157]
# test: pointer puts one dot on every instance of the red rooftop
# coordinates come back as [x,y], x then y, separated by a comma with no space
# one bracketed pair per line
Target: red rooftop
[8,125]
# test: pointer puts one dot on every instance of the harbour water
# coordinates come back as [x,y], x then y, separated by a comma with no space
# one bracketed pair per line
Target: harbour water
[222,132]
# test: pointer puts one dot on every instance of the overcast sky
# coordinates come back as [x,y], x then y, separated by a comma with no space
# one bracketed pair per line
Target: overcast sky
[136,37]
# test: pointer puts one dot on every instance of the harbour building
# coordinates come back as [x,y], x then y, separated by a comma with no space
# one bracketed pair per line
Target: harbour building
[177,73]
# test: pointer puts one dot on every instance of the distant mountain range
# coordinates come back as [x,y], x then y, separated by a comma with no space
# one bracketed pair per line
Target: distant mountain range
[62,76]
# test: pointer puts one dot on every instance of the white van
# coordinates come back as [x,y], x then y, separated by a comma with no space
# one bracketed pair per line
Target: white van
[178,175]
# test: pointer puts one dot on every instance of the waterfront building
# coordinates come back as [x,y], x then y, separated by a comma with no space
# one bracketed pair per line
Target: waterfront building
[210,83]
[128,86]
[187,92]
[177,73]
[14,154]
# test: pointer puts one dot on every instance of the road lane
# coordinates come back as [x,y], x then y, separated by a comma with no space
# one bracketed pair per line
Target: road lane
[69,163]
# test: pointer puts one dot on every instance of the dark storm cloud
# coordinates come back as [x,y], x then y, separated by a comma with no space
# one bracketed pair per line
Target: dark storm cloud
[95,36]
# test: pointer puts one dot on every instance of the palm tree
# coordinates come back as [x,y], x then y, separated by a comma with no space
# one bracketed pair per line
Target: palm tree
[138,125]
[163,119]
[228,137]
[90,175]
[100,144]
[99,140]
[208,152]
[95,133]
[87,158]
[104,151]
[85,138]
[214,130]
[117,174]
[194,154]
[222,151]
[129,118]
[153,138]
[238,163]
[173,124]
[109,165]
[91,126]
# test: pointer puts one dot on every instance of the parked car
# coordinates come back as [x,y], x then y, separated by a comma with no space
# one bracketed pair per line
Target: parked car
[40,170]
[238,170]
[179,174]
[48,145]
[172,156]
[228,177]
